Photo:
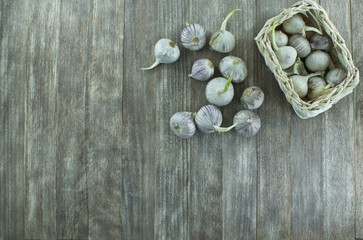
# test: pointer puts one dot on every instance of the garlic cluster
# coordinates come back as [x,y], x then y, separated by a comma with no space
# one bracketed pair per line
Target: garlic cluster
[306,61]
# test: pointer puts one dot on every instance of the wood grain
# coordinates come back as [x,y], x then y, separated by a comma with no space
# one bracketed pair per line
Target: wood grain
[13,117]
[86,151]
[338,167]
[104,121]
[274,148]
[357,52]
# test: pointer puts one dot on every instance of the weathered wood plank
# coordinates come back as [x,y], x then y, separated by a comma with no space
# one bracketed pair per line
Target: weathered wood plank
[104,124]
[306,181]
[138,131]
[72,131]
[239,154]
[274,148]
[170,174]
[13,117]
[357,52]
[338,167]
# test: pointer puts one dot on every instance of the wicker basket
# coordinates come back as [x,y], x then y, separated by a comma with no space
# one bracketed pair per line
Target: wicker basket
[316,16]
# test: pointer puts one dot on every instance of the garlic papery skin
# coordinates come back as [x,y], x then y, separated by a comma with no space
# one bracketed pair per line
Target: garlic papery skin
[316,86]
[252,97]
[207,118]
[165,51]
[219,91]
[194,37]
[182,124]
[296,25]
[249,123]
[300,83]
[202,70]
[223,41]
[335,76]
[286,54]
[317,61]
[235,67]
[320,42]
[281,39]
[301,45]
[297,69]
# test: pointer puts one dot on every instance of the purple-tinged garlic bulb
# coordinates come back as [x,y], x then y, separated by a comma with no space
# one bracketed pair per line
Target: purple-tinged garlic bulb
[202,70]
[182,124]
[248,123]
[194,37]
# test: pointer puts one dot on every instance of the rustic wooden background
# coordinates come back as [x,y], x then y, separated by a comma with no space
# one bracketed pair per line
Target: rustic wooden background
[86,149]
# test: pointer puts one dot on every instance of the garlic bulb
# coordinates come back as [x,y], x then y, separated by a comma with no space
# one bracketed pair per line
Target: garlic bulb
[316,87]
[321,42]
[166,51]
[301,45]
[296,25]
[281,39]
[219,91]
[209,119]
[317,61]
[194,37]
[248,123]
[252,97]
[182,124]
[223,41]
[335,76]
[286,54]
[202,70]
[300,83]
[297,69]
[235,67]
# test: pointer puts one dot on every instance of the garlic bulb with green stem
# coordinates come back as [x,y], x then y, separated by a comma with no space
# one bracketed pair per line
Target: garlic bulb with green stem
[316,87]
[252,97]
[321,42]
[301,45]
[296,25]
[223,41]
[209,119]
[219,91]
[335,76]
[182,124]
[286,54]
[194,36]
[165,51]
[300,83]
[248,123]
[202,70]
[318,61]
[234,67]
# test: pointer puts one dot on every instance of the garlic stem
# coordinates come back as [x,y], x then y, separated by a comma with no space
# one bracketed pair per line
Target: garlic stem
[312,29]
[186,24]
[274,45]
[226,86]
[313,75]
[224,23]
[224,129]
[151,67]
[194,114]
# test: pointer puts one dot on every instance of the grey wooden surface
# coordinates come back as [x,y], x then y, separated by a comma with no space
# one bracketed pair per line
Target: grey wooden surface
[86,151]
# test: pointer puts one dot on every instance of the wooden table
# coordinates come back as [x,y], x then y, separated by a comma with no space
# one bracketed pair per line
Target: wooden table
[86,149]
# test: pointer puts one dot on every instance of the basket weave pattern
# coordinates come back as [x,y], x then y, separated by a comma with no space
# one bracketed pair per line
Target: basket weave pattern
[308,109]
